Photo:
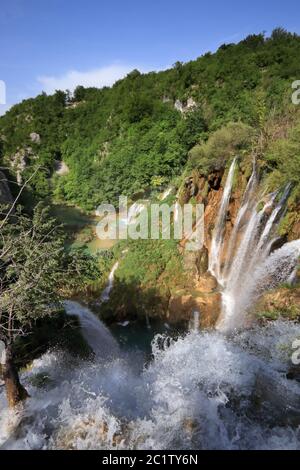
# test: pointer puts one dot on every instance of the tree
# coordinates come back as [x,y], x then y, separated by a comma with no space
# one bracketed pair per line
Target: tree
[30,272]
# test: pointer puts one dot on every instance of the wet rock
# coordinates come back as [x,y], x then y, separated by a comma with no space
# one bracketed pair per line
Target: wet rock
[214,179]
[202,260]
[207,283]
[208,304]
[294,373]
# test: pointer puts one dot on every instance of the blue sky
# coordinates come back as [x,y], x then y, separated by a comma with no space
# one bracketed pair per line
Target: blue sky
[49,44]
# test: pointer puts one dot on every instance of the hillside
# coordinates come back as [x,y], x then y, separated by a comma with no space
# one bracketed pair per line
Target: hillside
[143,132]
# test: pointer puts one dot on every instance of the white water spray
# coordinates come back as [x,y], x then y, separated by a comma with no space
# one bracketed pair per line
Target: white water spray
[203,391]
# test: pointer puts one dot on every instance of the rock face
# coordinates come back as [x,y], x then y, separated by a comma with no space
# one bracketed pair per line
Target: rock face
[189,105]
[19,162]
[204,299]
[35,138]
[204,296]
[189,188]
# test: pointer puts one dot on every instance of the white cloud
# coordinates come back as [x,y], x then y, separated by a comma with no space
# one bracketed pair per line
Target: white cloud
[4,108]
[104,76]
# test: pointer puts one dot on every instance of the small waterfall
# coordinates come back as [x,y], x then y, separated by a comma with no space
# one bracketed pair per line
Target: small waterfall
[93,330]
[166,193]
[110,283]
[195,321]
[216,244]
[249,268]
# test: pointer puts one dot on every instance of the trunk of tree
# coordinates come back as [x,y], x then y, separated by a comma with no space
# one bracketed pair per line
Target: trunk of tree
[15,391]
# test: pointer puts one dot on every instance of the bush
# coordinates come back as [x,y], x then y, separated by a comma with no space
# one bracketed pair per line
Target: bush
[230,140]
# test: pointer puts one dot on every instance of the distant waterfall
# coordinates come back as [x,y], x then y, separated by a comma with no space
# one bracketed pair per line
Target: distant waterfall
[250,266]
[110,283]
[93,330]
[216,244]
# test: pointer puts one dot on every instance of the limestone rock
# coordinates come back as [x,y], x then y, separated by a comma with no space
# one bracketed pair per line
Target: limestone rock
[207,283]
[202,261]
[35,138]
[182,307]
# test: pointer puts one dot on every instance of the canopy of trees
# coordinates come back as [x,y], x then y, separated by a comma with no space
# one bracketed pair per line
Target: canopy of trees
[114,140]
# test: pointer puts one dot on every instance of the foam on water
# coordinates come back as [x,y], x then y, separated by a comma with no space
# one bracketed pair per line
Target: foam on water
[203,391]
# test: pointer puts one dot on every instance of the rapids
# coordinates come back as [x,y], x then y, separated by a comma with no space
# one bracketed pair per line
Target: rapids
[204,390]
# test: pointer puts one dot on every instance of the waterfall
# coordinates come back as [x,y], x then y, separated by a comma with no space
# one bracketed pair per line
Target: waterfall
[166,193]
[93,330]
[216,244]
[195,321]
[110,283]
[250,266]
[209,403]
[246,205]
[273,270]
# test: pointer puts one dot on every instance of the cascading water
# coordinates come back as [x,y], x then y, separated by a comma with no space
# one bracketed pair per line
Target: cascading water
[216,244]
[250,267]
[93,330]
[110,283]
[202,391]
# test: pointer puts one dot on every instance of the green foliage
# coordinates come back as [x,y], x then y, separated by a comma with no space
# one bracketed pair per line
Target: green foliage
[81,269]
[146,260]
[231,140]
[34,267]
[283,159]
[116,139]
[31,250]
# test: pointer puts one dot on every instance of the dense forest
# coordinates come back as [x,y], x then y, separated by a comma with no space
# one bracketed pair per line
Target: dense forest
[148,129]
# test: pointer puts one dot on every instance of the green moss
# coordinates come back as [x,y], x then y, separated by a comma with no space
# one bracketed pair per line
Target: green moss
[292,314]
